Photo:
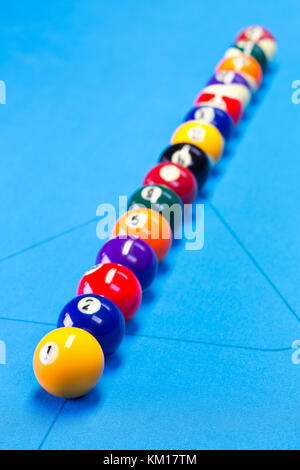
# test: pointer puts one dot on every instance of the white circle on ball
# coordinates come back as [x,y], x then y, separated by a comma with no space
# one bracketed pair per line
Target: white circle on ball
[151,193]
[49,353]
[169,173]
[182,157]
[89,305]
[205,114]
[218,102]
[136,220]
[254,32]
[196,133]
[225,76]
[239,61]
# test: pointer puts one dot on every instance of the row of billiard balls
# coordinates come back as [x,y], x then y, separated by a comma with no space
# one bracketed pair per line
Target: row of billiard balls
[69,361]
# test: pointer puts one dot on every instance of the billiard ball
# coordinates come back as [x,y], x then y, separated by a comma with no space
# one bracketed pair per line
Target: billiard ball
[248,48]
[161,199]
[228,77]
[176,177]
[244,64]
[205,136]
[239,87]
[231,106]
[134,253]
[237,92]
[97,315]
[214,116]
[68,362]
[117,283]
[148,225]
[260,36]
[189,156]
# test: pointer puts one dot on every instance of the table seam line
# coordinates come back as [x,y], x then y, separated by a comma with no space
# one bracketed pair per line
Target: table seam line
[253,260]
[165,338]
[52,425]
[207,343]
[47,240]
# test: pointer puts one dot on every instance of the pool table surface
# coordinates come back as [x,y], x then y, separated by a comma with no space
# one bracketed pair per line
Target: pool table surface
[94,91]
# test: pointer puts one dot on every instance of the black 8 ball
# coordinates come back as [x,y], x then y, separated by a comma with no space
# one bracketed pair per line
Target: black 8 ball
[189,156]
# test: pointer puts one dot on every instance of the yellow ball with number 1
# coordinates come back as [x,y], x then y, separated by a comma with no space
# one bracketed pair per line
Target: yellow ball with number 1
[68,362]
